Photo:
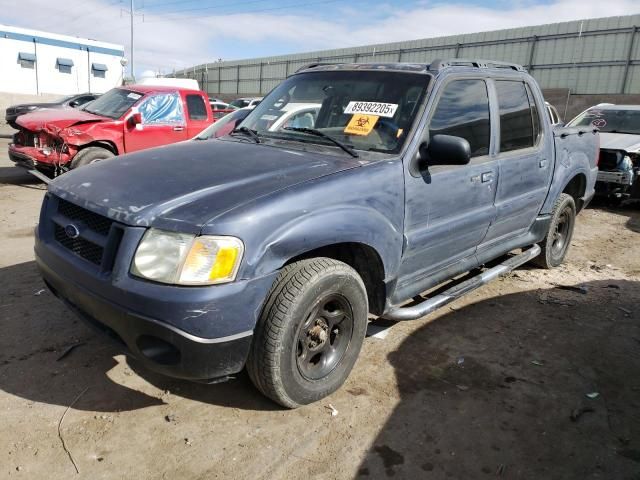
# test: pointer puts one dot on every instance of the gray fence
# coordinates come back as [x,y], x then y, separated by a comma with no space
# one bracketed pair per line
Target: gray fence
[595,56]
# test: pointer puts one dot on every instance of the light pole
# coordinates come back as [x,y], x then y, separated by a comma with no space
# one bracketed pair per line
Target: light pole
[133,74]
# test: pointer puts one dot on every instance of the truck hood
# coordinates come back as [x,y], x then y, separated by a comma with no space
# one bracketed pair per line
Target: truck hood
[620,141]
[59,119]
[183,186]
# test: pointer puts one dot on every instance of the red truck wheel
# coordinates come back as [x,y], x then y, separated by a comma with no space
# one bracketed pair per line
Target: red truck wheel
[90,155]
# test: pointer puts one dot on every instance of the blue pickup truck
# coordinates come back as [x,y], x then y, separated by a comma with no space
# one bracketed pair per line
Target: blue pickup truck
[270,249]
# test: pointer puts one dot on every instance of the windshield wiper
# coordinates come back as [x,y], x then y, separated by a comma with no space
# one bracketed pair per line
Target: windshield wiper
[318,133]
[247,131]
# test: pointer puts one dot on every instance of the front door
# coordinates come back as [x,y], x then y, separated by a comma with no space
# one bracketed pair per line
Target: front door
[163,122]
[449,207]
[526,165]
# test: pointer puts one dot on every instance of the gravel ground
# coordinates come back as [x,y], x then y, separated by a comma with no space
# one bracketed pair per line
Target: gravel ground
[535,376]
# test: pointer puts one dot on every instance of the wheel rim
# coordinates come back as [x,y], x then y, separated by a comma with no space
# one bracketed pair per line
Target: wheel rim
[561,233]
[324,337]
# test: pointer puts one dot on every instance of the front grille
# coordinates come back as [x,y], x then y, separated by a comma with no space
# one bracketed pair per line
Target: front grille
[93,221]
[609,159]
[99,237]
[84,248]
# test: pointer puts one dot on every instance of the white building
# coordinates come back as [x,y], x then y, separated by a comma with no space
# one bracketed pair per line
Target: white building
[35,62]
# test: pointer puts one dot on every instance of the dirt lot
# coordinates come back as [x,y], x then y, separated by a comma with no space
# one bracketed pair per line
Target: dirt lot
[483,389]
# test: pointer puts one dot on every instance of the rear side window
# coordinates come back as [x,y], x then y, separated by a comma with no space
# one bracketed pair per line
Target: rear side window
[535,115]
[519,118]
[463,111]
[196,108]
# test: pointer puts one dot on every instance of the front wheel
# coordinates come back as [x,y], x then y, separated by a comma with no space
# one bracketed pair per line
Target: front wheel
[90,155]
[310,332]
[556,243]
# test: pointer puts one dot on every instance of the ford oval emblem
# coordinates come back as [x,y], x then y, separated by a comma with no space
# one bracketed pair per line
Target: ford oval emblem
[72,231]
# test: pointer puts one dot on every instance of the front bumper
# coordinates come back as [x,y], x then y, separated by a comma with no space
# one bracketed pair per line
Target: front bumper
[195,333]
[21,159]
[35,156]
[158,346]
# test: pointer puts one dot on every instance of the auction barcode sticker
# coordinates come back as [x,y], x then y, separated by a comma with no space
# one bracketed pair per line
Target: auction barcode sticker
[372,108]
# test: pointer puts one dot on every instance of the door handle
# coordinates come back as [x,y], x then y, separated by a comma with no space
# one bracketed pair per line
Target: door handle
[487,177]
[543,163]
[178,128]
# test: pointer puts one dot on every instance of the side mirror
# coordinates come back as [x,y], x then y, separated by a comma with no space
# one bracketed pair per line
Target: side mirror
[135,119]
[74,103]
[446,150]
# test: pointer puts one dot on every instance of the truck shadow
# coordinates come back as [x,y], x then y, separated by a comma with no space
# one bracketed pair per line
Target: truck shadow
[629,208]
[535,384]
[37,329]
[19,176]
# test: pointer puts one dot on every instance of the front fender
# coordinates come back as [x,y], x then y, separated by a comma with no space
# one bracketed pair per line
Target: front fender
[330,226]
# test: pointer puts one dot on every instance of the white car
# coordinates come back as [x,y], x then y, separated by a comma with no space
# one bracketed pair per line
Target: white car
[294,115]
[245,102]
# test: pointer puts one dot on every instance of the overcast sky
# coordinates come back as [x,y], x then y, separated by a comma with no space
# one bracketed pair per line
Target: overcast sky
[180,33]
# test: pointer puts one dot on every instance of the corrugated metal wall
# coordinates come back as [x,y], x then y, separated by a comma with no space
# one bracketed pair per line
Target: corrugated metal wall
[595,56]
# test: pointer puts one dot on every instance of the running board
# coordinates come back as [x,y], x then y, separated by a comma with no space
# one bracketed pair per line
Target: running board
[430,305]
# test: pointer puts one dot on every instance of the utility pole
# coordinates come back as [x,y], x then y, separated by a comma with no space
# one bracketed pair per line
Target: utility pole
[133,74]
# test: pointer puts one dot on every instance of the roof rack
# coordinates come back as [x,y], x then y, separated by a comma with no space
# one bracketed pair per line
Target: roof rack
[440,64]
[315,64]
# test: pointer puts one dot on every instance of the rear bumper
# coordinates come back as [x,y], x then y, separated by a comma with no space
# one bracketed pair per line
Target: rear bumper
[159,346]
[617,177]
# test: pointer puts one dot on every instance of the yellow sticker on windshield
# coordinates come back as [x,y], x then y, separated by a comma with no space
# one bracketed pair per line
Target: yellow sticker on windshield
[361,124]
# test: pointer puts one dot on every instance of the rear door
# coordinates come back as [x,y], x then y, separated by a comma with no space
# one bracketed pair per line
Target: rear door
[198,115]
[525,164]
[163,122]
[449,207]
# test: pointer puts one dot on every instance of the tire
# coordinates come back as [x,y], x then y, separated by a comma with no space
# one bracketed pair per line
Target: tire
[556,243]
[90,155]
[309,333]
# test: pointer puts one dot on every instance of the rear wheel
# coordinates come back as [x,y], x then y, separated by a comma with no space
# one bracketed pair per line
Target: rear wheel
[310,332]
[556,243]
[90,155]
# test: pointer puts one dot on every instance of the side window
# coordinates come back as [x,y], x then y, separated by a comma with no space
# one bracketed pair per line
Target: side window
[196,107]
[463,111]
[535,115]
[162,109]
[519,120]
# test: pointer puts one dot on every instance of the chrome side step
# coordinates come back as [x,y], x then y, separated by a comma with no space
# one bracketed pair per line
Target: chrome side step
[431,304]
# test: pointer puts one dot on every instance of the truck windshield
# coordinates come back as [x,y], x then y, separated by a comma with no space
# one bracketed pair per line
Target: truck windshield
[610,121]
[114,103]
[362,110]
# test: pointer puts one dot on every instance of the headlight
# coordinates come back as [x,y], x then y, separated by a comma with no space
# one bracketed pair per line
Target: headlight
[184,259]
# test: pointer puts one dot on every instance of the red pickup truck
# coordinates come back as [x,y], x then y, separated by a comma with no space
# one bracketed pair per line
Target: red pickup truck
[123,120]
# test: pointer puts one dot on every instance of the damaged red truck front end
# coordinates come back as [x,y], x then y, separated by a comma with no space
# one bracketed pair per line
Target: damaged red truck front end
[122,120]
[49,140]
